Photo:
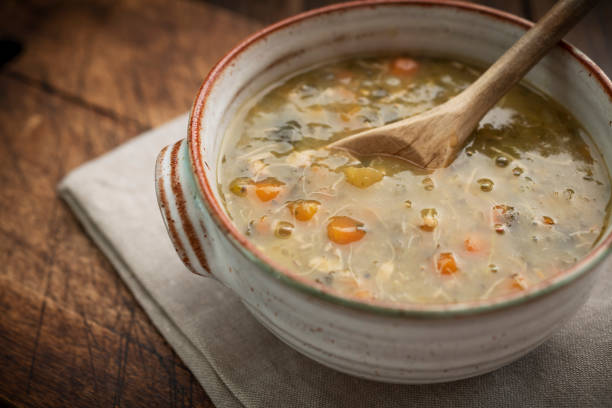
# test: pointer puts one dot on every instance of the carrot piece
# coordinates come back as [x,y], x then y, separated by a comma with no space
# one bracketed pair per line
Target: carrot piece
[268,189]
[474,243]
[304,210]
[512,284]
[350,113]
[344,230]
[548,220]
[446,264]
[261,226]
[503,214]
[518,282]
[347,282]
[404,66]
[345,93]
[363,294]
[344,76]
[502,217]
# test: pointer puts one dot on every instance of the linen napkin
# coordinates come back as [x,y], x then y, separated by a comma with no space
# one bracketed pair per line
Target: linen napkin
[239,363]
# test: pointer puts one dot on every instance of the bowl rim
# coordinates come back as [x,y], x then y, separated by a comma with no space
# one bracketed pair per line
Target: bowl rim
[292,280]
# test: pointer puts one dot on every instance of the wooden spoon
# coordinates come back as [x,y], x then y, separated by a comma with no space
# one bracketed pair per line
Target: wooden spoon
[433,138]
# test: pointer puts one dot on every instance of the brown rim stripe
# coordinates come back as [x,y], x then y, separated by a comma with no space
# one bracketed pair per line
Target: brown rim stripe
[181,205]
[178,244]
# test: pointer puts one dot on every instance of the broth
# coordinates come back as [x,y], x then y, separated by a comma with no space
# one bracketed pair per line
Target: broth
[526,198]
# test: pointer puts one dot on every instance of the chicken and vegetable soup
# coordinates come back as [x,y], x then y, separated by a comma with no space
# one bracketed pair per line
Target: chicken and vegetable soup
[526,198]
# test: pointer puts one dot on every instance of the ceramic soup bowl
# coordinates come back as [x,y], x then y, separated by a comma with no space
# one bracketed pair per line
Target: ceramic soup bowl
[385,342]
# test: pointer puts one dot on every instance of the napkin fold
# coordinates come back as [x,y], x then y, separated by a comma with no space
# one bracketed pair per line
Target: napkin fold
[239,363]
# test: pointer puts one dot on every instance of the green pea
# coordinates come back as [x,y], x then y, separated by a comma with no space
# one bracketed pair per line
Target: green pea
[486,184]
[502,161]
[283,229]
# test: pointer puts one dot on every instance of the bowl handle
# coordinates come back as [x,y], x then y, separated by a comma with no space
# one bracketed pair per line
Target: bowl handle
[176,197]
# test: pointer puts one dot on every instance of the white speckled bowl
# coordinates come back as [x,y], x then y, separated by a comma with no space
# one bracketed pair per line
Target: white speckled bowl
[386,342]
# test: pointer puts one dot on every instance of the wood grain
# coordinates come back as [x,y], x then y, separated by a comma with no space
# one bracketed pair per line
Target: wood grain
[141,60]
[70,333]
[91,75]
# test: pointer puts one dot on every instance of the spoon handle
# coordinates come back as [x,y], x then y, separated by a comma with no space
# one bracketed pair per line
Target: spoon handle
[523,55]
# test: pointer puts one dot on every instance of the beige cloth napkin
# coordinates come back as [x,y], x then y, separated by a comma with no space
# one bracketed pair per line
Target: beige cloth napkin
[239,363]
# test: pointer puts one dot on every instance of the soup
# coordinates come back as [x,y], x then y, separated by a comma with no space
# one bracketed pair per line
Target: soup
[526,198]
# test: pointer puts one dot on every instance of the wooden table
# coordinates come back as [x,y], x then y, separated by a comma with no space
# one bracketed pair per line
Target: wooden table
[79,78]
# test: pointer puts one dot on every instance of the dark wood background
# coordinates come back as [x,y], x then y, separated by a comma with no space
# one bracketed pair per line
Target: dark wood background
[77,78]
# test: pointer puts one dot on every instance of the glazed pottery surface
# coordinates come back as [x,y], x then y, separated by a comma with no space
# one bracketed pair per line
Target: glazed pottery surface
[402,344]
